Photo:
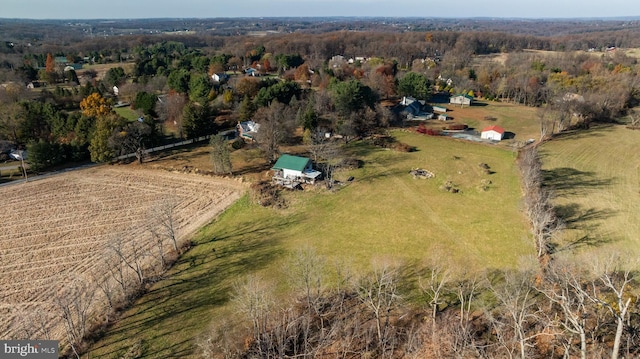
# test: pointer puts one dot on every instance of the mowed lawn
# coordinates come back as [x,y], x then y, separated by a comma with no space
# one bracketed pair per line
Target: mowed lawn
[383,214]
[519,121]
[595,175]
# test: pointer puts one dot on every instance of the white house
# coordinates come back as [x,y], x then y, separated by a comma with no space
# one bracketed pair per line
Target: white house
[494,133]
[461,100]
[219,77]
[247,129]
[291,170]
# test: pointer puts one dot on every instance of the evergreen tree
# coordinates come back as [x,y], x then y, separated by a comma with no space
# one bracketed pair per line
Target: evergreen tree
[220,155]
[247,109]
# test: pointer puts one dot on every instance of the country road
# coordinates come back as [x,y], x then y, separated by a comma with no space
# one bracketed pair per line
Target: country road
[10,167]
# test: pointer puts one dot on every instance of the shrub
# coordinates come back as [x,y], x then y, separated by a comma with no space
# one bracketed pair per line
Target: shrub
[266,194]
[237,144]
[403,147]
[457,127]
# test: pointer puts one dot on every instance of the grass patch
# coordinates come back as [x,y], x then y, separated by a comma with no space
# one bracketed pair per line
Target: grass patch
[384,213]
[517,119]
[127,112]
[595,175]
[7,175]
[244,239]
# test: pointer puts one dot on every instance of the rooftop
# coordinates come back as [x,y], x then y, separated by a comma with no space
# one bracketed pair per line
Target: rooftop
[291,163]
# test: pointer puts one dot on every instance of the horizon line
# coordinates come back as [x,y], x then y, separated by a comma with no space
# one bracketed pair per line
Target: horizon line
[606,18]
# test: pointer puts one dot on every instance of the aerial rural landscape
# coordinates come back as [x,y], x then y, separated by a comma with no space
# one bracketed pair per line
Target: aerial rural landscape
[328,187]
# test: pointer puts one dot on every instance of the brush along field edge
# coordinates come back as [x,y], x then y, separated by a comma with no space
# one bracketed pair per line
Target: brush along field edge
[56,231]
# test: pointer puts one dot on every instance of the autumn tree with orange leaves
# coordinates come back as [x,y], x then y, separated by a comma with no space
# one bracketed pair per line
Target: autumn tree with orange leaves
[95,106]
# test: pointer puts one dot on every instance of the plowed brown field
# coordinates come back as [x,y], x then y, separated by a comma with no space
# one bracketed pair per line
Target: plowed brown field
[55,230]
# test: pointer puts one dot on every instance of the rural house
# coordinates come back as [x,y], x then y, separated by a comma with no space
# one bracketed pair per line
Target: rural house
[290,171]
[247,129]
[412,109]
[461,99]
[220,77]
[495,133]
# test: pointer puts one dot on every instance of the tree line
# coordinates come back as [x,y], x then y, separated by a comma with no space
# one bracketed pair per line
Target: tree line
[570,309]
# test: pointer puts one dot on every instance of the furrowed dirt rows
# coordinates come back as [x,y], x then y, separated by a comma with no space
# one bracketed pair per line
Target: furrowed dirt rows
[56,230]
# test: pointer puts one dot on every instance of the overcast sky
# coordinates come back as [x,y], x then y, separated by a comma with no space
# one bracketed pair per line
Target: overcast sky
[102,9]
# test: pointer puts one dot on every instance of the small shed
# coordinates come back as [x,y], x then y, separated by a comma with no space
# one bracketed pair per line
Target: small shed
[494,133]
[290,171]
[440,109]
[443,117]
[461,99]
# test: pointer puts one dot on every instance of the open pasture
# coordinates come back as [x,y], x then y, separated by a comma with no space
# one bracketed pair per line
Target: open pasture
[384,214]
[595,175]
[55,230]
[519,121]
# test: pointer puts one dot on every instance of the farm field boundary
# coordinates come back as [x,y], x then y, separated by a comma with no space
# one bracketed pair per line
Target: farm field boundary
[56,230]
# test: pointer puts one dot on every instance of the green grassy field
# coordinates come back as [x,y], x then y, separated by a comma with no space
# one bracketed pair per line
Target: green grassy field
[519,120]
[383,214]
[127,112]
[596,177]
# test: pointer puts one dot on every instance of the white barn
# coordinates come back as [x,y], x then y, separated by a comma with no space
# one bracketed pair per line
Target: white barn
[461,100]
[494,133]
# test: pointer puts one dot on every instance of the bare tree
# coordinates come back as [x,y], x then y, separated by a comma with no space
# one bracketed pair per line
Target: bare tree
[306,273]
[466,290]
[379,292]
[170,108]
[157,240]
[276,126]
[546,124]
[565,288]
[164,215]
[107,287]
[35,323]
[74,303]
[117,271]
[254,299]
[614,280]
[434,286]
[516,297]
[327,154]
[219,340]
[132,254]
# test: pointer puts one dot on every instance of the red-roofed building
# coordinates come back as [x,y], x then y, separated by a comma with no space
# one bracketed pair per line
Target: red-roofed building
[495,133]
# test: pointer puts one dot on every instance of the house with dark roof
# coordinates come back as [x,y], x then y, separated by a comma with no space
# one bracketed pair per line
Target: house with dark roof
[413,109]
[290,171]
[494,133]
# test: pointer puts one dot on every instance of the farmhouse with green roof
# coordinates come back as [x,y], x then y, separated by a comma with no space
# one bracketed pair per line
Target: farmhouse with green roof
[290,171]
